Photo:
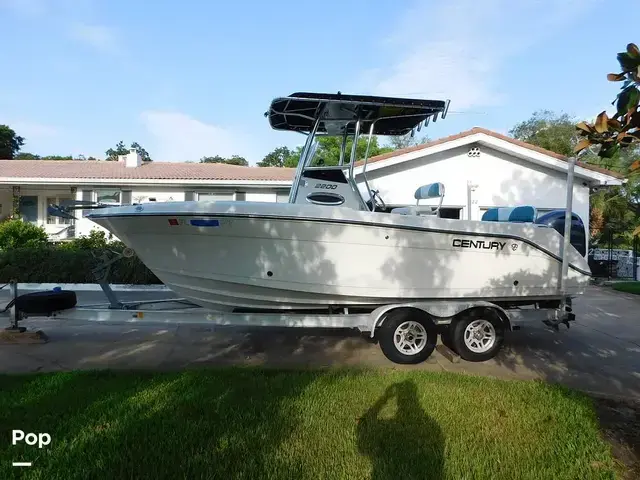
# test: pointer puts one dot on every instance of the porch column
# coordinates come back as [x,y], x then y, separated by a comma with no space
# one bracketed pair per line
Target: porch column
[15,213]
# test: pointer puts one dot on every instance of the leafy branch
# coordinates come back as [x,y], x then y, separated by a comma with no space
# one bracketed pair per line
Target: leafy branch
[622,130]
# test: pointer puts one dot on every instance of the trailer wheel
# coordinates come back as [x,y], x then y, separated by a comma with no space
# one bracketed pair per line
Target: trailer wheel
[478,336]
[45,303]
[407,337]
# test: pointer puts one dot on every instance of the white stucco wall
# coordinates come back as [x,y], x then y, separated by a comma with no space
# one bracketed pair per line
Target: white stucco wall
[260,195]
[502,180]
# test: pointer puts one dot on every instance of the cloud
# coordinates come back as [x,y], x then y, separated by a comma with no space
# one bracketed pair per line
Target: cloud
[99,37]
[177,137]
[458,49]
[33,130]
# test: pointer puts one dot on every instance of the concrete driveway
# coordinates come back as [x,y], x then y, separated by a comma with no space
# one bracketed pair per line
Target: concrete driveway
[599,354]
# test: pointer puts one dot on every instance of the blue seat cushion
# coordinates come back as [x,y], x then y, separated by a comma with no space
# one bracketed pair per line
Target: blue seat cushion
[524,214]
[432,190]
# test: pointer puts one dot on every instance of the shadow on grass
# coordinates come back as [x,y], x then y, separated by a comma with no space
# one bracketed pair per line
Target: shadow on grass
[394,444]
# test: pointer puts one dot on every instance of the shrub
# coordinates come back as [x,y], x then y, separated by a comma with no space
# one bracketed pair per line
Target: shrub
[96,240]
[64,264]
[19,234]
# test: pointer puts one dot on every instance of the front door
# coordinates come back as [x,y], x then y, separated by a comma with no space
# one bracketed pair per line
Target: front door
[29,208]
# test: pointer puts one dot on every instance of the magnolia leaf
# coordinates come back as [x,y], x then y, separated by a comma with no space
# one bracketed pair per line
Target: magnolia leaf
[628,63]
[615,124]
[635,166]
[634,98]
[624,99]
[585,127]
[582,144]
[625,139]
[601,124]
[632,50]
[616,77]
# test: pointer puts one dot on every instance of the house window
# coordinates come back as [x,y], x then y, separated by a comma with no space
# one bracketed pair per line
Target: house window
[108,196]
[52,220]
[215,196]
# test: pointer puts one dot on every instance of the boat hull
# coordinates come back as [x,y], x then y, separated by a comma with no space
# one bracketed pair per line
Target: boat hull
[225,255]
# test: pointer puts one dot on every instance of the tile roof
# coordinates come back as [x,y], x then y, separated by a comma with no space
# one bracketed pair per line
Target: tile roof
[476,130]
[90,169]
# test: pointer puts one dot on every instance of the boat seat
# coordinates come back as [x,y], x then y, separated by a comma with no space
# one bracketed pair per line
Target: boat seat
[425,192]
[523,214]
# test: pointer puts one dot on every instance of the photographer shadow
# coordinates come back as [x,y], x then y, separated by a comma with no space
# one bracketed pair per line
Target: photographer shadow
[409,445]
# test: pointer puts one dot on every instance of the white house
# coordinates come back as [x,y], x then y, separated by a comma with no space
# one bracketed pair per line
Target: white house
[35,184]
[479,168]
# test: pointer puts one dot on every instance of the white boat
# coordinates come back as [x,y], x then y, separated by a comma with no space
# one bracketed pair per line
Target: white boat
[330,247]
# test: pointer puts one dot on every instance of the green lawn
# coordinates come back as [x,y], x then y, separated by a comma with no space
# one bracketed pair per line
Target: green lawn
[628,287]
[256,423]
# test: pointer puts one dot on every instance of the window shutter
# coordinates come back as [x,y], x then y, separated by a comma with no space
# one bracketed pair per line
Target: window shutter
[87,196]
[126,197]
[189,196]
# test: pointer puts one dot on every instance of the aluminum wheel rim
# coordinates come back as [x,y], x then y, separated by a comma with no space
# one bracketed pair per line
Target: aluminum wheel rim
[480,336]
[410,337]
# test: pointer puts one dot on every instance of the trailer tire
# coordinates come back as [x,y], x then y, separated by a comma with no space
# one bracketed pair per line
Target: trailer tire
[407,337]
[46,303]
[478,335]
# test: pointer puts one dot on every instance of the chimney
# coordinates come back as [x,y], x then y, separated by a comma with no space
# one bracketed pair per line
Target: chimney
[132,159]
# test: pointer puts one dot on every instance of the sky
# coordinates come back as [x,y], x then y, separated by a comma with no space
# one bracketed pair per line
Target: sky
[193,78]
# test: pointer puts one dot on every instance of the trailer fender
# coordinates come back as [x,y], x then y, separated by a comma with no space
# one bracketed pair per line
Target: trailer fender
[441,313]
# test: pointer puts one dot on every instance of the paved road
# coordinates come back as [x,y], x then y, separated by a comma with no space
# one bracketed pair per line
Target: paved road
[600,353]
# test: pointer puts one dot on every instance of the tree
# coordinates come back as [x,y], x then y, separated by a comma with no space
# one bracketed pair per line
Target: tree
[10,142]
[622,130]
[281,157]
[329,149]
[113,153]
[234,160]
[549,130]
[619,136]
[398,142]
[26,156]
[57,157]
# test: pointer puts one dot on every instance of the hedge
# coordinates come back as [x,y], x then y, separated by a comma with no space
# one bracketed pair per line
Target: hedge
[64,264]
[27,256]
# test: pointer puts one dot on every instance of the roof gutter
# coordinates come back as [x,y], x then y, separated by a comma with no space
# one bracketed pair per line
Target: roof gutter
[141,181]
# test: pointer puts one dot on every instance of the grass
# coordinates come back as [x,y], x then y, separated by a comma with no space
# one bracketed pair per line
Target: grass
[627,287]
[242,423]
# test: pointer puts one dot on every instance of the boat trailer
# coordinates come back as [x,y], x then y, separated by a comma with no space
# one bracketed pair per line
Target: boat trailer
[407,333]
